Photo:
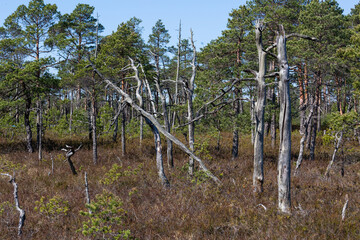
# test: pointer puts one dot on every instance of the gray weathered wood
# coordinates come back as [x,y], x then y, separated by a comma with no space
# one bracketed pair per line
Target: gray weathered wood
[22,215]
[338,141]
[190,93]
[153,120]
[258,175]
[284,161]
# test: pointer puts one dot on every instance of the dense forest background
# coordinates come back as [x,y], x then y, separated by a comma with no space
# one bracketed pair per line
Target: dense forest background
[259,129]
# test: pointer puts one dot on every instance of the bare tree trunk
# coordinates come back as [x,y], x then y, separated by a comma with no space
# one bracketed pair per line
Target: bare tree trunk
[93,122]
[149,117]
[252,113]
[169,149]
[284,163]
[177,74]
[273,119]
[159,160]
[302,103]
[235,146]
[154,129]
[22,215]
[39,110]
[141,129]
[94,133]
[191,130]
[93,106]
[309,132]
[116,127]
[315,121]
[191,85]
[123,132]
[258,176]
[27,124]
[87,195]
[304,134]
[337,145]
[71,110]
[70,151]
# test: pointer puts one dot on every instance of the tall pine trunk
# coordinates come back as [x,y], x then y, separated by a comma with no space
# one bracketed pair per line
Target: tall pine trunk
[27,123]
[235,146]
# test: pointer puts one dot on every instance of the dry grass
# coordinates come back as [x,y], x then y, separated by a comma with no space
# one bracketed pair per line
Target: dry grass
[189,209]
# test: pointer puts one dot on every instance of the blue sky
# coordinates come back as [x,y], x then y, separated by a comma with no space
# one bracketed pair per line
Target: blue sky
[207,18]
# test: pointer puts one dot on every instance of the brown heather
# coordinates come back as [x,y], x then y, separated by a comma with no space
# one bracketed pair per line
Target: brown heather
[189,209]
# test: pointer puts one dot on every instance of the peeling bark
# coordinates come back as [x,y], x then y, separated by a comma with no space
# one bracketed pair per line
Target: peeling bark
[258,175]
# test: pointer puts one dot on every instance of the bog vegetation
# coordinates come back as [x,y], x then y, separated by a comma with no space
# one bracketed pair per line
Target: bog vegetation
[254,136]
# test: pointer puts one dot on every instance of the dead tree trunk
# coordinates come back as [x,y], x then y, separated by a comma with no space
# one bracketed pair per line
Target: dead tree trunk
[39,129]
[70,151]
[116,127]
[177,75]
[258,176]
[337,145]
[169,149]
[235,146]
[22,215]
[304,133]
[315,119]
[190,93]
[153,120]
[27,124]
[123,132]
[154,129]
[284,162]
[87,195]
[71,111]
[93,122]
[159,160]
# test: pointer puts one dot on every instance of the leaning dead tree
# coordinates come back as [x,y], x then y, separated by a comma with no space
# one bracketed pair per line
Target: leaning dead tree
[338,141]
[22,215]
[149,118]
[169,148]
[304,134]
[70,151]
[157,138]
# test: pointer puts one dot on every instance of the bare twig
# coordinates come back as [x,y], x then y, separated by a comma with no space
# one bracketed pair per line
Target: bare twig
[261,205]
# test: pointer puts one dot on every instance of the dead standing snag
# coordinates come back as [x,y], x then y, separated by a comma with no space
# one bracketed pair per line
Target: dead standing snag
[70,151]
[153,120]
